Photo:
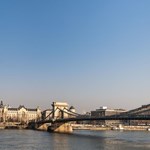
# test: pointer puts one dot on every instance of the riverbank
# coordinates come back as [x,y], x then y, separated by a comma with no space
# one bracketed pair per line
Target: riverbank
[101,128]
[136,128]
[12,125]
[16,125]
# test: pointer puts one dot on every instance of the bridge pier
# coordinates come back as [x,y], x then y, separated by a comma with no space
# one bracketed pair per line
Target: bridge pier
[43,127]
[61,128]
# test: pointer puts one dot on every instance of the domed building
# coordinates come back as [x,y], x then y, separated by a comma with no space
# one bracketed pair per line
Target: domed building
[72,109]
[72,112]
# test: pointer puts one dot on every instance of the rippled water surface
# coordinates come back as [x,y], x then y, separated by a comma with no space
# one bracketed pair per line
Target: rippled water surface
[78,140]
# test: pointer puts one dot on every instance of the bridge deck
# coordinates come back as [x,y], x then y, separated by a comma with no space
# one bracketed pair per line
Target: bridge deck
[147,117]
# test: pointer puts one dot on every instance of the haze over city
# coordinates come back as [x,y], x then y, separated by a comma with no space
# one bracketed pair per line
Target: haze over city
[86,53]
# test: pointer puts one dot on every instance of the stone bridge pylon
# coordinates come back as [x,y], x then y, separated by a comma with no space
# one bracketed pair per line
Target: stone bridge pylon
[61,110]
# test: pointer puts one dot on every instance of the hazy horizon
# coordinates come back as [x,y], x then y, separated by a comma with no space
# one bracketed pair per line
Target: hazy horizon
[86,53]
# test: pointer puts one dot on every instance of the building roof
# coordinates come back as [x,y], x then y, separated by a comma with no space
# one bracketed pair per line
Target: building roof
[21,106]
[13,109]
[30,109]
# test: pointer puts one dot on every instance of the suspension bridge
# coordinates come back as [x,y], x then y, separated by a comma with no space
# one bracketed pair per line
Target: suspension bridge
[60,118]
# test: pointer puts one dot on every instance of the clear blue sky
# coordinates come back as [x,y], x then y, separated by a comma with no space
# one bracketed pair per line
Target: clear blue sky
[88,53]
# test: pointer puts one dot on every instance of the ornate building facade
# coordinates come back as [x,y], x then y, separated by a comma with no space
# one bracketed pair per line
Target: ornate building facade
[20,114]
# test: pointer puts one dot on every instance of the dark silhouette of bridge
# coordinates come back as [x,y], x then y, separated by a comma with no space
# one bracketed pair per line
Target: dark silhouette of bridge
[64,120]
[60,118]
[136,114]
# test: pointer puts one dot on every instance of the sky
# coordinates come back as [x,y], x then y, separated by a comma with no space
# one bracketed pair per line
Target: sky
[83,52]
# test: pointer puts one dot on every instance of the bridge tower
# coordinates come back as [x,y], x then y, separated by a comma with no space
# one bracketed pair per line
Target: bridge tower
[58,110]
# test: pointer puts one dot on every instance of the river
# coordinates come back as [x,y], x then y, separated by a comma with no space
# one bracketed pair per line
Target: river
[78,140]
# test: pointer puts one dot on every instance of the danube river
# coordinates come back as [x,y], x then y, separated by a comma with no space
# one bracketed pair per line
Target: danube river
[78,140]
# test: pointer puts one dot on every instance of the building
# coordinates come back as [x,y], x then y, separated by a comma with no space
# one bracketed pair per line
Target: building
[20,114]
[104,111]
[143,110]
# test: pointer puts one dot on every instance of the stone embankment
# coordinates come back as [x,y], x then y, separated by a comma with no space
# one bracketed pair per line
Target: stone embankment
[136,128]
[101,128]
[12,125]
[89,127]
[45,127]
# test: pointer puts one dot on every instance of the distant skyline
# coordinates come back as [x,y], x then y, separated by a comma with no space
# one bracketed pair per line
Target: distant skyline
[86,53]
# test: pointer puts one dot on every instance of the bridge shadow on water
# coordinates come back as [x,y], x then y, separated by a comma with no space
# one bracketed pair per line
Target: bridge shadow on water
[103,140]
[77,141]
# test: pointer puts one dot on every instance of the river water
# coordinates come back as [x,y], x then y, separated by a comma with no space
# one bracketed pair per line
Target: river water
[78,140]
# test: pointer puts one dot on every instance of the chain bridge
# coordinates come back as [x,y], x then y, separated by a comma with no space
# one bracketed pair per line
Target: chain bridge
[60,117]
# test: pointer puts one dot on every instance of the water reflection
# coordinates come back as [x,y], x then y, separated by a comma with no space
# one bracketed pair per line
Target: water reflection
[59,141]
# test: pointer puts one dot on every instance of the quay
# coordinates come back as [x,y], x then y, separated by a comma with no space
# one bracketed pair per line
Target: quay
[12,125]
[47,127]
